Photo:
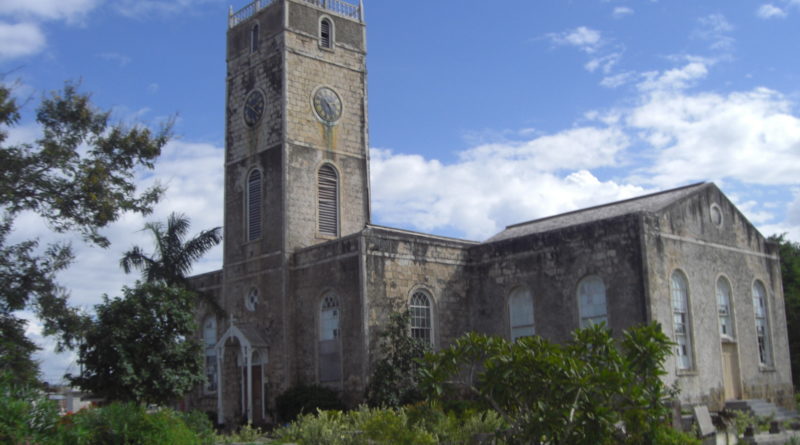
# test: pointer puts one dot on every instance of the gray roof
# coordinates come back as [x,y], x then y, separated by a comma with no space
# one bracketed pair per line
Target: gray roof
[647,203]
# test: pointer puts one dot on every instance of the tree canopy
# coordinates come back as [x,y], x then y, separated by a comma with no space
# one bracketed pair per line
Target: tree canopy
[141,347]
[79,176]
[790,272]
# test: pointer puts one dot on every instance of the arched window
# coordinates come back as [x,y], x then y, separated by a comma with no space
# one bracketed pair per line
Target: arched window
[679,288]
[520,313]
[724,307]
[421,320]
[254,38]
[328,183]
[330,357]
[254,205]
[592,301]
[762,323]
[326,33]
[210,341]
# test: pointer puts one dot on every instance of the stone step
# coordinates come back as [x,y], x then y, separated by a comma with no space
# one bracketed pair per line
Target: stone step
[761,408]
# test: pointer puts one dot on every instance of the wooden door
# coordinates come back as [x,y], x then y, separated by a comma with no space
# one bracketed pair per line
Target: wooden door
[730,371]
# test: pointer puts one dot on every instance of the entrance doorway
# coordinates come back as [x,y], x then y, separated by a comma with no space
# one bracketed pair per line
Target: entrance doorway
[730,371]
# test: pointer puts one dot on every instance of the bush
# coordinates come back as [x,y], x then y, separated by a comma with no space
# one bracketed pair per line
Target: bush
[304,399]
[126,423]
[25,415]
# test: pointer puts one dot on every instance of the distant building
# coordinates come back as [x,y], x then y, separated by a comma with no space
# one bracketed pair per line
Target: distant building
[309,283]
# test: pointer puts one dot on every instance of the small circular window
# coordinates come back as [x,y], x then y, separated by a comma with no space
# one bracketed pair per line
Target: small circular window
[716,215]
[251,300]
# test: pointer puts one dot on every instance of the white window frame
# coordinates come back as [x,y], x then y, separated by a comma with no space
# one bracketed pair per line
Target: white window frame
[681,320]
[725,309]
[421,323]
[585,299]
[762,324]
[521,313]
[331,33]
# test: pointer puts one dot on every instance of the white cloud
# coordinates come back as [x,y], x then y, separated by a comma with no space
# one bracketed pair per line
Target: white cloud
[622,11]
[617,80]
[21,39]
[69,10]
[676,78]
[716,29]
[768,11]
[605,63]
[586,39]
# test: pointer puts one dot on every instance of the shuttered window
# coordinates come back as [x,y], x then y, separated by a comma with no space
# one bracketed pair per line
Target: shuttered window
[325,33]
[254,38]
[328,183]
[254,205]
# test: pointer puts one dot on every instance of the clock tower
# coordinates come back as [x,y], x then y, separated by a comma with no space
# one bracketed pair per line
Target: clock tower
[296,169]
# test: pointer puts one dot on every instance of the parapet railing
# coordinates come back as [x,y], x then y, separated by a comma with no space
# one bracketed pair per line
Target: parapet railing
[338,7]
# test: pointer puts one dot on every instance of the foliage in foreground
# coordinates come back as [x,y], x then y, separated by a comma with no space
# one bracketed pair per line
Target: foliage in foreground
[394,381]
[304,399]
[790,273]
[419,424]
[141,347]
[26,416]
[590,391]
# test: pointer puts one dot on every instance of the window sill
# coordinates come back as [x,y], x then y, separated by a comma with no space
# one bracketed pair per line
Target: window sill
[767,368]
[686,373]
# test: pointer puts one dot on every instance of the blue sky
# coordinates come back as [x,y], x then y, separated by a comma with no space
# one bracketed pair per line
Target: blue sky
[481,114]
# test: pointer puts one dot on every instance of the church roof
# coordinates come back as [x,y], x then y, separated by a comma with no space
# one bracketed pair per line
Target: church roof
[642,204]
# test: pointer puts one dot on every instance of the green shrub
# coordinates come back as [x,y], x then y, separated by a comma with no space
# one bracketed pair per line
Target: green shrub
[303,399]
[25,415]
[126,423]
[199,423]
[664,435]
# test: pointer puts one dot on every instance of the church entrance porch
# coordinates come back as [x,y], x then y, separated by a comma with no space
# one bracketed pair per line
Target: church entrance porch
[241,361]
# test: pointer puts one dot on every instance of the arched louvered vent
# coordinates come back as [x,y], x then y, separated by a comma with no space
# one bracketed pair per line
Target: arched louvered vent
[328,201]
[325,33]
[254,205]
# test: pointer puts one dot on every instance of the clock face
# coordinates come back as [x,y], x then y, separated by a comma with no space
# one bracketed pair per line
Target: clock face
[327,105]
[253,107]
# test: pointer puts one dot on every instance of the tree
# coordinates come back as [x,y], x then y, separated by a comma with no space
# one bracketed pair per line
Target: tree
[141,347]
[173,257]
[395,379]
[578,393]
[79,177]
[790,272]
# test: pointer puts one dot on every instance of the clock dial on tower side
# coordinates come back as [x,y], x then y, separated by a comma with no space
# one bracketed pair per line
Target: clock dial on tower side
[327,105]
[253,107]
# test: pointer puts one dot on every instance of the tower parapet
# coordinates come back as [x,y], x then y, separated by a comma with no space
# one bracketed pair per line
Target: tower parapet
[344,8]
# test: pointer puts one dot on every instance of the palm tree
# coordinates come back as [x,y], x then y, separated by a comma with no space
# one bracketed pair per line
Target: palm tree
[173,258]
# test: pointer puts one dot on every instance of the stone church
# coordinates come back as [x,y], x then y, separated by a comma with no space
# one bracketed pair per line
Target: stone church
[308,282]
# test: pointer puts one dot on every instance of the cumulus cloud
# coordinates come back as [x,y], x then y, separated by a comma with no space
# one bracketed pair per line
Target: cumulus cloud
[622,11]
[586,39]
[674,79]
[769,11]
[21,39]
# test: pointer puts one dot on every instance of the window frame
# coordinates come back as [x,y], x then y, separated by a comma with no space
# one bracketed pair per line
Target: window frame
[210,352]
[582,310]
[427,332]
[727,321]
[523,295]
[331,39]
[255,38]
[686,322]
[765,357]
[330,300]
[254,231]
[331,211]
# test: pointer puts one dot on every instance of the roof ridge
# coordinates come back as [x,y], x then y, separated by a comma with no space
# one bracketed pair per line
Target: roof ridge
[609,204]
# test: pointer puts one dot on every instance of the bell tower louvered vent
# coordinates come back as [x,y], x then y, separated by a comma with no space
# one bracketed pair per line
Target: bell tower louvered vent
[254,205]
[325,33]
[328,183]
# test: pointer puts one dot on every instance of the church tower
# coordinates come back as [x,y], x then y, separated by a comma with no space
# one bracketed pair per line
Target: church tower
[296,175]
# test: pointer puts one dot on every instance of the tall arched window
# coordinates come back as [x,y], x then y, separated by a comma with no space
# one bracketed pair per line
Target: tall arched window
[254,205]
[328,183]
[724,307]
[330,357]
[762,323]
[325,33]
[679,288]
[210,341]
[592,301]
[520,313]
[421,319]
[254,38]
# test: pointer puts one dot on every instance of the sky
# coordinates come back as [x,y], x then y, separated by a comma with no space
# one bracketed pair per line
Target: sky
[481,114]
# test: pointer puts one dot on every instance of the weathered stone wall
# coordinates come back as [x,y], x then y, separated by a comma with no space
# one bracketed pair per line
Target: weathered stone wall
[551,265]
[685,238]
[333,267]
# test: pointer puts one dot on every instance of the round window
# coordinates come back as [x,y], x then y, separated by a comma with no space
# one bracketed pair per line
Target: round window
[251,300]
[716,215]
